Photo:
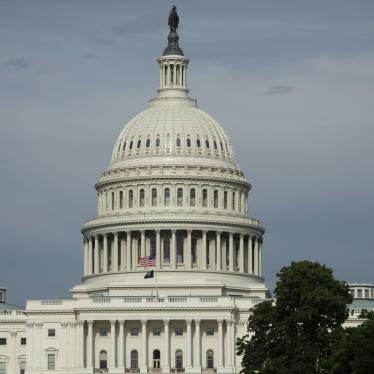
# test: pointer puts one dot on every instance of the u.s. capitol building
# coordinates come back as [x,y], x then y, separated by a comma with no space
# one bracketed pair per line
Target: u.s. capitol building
[173,194]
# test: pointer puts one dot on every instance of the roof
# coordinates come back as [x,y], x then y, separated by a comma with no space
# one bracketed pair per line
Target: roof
[6,306]
[362,304]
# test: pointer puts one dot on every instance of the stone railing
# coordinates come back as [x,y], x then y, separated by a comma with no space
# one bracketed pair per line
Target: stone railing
[132,370]
[96,370]
[177,370]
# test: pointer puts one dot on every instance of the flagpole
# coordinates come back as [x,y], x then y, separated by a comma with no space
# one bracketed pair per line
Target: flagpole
[156,284]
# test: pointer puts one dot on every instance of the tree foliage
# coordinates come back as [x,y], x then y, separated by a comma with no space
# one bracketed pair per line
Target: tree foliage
[298,332]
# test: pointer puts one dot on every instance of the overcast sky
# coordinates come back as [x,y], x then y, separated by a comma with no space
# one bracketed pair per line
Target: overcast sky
[292,83]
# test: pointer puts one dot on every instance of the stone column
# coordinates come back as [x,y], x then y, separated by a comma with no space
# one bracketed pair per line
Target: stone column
[13,352]
[73,346]
[90,249]
[128,250]
[233,340]
[90,346]
[158,249]
[189,345]
[105,254]
[250,259]
[173,250]
[142,243]
[115,253]
[220,344]
[197,345]
[143,365]
[96,260]
[29,350]
[231,251]
[241,253]
[218,251]
[38,347]
[112,356]
[260,258]
[187,255]
[65,350]
[85,270]
[123,253]
[166,365]
[230,342]
[80,336]
[121,350]
[255,260]
[204,251]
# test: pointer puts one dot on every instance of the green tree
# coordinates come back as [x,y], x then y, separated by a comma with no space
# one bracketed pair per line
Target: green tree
[296,334]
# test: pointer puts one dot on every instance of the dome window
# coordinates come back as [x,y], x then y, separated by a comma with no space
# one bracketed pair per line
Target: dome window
[188,142]
[215,144]
[221,146]
[233,200]
[198,143]
[154,197]
[180,197]
[120,199]
[131,143]
[178,142]
[205,197]
[207,144]
[124,146]
[141,198]
[192,197]
[148,143]
[215,198]
[157,142]
[131,198]
[138,144]
[167,197]
[225,200]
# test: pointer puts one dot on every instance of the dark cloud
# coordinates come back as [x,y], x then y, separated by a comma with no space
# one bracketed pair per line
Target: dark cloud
[279,90]
[19,63]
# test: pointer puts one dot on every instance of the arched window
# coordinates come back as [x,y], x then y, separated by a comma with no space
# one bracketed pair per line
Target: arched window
[215,144]
[139,144]
[205,197]
[167,196]
[178,142]
[210,359]
[188,142]
[131,198]
[216,198]
[157,142]
[180,249]
[112,198]
[148,143]
[192,197]
[156,359]
[131,143]
[221,146]
[207,144]
[154,197]
[103,360]
[166,248]
[198,143]
[124,146]
[180,197]
[179,359]
[134,359]
[225,199]
[141,198]
[233,200]
[120,199]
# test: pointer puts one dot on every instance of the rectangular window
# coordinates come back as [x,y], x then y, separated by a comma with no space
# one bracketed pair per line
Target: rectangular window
[2,341]
[359,293]
[2,367]
[367,294]
[179,331]
[209,331]
[22,367]
[103,332]
[23,341]
[51,332]
[51,363]
[134,331]
[156,331]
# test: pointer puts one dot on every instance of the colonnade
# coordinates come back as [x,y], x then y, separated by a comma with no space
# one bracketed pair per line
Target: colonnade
[173,250]
[120,344]
[173,74]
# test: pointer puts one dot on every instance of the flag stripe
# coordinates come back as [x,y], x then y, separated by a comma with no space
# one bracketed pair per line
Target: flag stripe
[147,261]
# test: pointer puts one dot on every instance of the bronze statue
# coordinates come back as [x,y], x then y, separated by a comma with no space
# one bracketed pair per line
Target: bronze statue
[173,19]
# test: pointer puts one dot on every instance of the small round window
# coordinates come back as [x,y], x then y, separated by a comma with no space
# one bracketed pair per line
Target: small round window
[198,143]
[147,143]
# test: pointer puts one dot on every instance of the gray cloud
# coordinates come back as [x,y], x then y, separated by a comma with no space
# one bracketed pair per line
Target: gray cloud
[279,90]
[19,63]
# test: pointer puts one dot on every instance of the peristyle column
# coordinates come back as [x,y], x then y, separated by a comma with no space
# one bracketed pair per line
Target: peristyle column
[121,345]
[143,368]
[255,260]
[189,344]
[158,249]
[188,250]
[128,249]
[166,366]
[203,254]
[105,254]
[250,259]
[173,250]
[241,254]
[218,250]
[115,252]
[97,267]
[231,251]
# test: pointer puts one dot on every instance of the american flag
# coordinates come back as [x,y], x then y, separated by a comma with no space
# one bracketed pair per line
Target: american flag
[147,261]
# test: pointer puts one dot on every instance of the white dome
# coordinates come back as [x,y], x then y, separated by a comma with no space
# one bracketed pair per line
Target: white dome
[173,131]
